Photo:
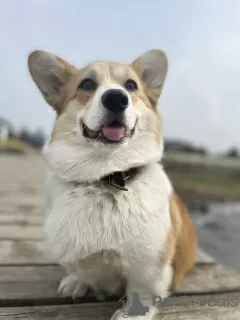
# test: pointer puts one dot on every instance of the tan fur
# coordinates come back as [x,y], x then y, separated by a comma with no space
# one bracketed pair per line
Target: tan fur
[180,249]
[101,72]
[48,70]
[152,93]
[58,76]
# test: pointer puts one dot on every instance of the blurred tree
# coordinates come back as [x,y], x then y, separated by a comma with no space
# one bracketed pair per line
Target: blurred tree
[202,151]
[35,139]
[24,135]
[38,138]
[183,146]
[233,152]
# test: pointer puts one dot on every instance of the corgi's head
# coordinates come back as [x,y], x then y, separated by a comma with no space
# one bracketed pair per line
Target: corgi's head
[106,113]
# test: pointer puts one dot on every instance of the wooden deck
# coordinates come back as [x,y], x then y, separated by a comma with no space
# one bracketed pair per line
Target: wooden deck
[29,277]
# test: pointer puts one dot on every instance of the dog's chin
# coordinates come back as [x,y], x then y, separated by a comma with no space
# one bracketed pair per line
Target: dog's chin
[112,134]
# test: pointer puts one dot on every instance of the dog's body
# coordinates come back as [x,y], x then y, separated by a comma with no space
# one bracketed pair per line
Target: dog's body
[136,237]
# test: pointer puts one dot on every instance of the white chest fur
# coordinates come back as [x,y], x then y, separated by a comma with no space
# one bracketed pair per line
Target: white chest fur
[82,220]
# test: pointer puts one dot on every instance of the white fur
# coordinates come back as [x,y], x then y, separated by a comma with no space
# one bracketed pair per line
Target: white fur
[83,212]
[83,220]
[104,235]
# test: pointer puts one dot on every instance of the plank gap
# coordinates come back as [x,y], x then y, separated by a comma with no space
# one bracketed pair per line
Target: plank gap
[9,303]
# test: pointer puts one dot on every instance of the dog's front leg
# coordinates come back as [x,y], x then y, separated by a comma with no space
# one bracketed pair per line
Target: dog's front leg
[145,287]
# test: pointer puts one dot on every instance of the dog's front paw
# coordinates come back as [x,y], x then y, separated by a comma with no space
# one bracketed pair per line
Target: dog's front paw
[72,286]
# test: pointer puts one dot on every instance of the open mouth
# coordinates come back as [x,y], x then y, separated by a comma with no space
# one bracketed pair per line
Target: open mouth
[111,133]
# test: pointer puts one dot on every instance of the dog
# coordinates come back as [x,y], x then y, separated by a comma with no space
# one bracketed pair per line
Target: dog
[113,219]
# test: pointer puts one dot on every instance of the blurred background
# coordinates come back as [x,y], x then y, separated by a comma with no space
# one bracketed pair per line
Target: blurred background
[199,106]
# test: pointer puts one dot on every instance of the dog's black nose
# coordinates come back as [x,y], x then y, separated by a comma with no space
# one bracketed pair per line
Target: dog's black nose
[115,100]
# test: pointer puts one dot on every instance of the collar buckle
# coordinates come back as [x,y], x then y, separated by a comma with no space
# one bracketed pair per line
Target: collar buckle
[117,180]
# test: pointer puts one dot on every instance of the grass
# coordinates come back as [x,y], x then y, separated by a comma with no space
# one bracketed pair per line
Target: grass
[12,145]
[204,160]
[215,179]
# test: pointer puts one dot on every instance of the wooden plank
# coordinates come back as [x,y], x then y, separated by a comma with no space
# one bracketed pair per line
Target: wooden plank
[21,184]
[21,204]
[210,278]
[22,219]
[30,283]
[24,252]
[181,308]
[94,311]
[220,235]
[20,232]
[21,209]
[41,282]
[207,307]
[203,257]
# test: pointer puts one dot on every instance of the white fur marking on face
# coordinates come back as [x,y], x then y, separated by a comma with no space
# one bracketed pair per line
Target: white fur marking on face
[95,115]
[74,158]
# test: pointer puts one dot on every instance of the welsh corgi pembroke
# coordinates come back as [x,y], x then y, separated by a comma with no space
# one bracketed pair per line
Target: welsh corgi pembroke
[113,220]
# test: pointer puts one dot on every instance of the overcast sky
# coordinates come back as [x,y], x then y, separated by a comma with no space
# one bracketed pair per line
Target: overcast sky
[201,98]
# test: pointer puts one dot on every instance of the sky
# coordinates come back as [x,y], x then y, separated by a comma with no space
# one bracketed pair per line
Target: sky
[201,98]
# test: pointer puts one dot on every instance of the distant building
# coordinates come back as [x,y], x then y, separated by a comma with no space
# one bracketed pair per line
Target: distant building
[6,129]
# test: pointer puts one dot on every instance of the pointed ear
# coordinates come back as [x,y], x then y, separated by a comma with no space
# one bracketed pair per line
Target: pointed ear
[152,68]
[50,73]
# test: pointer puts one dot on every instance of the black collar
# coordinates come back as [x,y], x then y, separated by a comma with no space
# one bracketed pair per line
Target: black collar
[118,179]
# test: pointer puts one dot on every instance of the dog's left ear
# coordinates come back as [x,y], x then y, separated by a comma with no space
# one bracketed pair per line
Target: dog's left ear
[152,68]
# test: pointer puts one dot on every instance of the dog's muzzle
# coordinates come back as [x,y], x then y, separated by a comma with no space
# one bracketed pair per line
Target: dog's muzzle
[115,102]
[113,126]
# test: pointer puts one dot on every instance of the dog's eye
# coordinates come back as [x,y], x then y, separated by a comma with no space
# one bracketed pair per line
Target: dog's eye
[131,85]
[88,85]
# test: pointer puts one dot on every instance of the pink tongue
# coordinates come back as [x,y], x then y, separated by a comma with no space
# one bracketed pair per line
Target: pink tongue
[113,133]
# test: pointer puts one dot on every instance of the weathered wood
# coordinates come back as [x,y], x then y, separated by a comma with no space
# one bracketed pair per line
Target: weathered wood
[24,252]
[207,307]
[20,205]
[220,235]
[21,209]
[94,311]
[41,282]
[203,257]
[210,278]
[20,232]
[211,307]
[21,189]
[23,219]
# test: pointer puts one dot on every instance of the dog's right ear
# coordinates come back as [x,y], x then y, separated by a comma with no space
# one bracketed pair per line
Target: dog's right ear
[50,73]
